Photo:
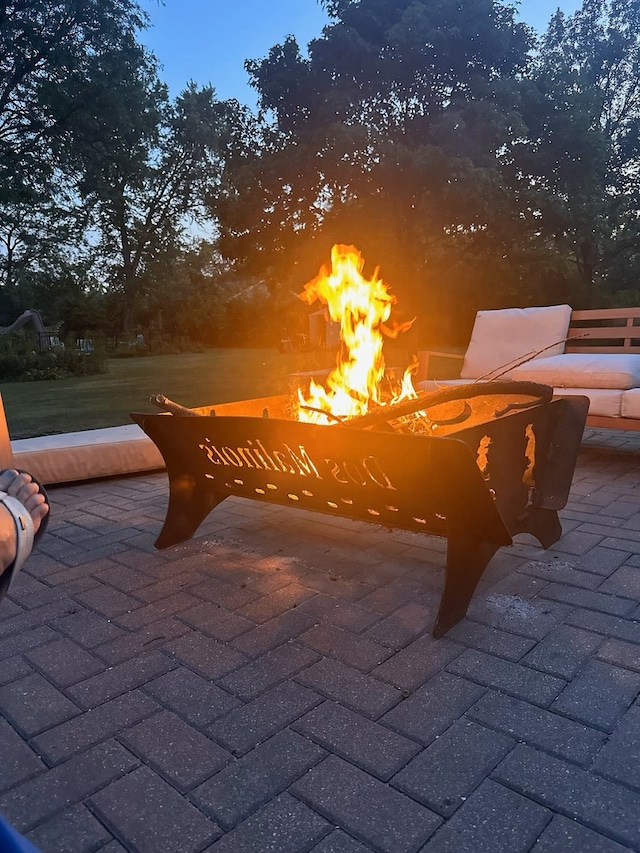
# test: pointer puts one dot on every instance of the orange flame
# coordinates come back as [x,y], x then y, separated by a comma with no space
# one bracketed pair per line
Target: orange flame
[362,307]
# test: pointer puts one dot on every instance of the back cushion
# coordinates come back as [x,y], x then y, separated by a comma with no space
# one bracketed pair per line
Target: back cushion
[504,337]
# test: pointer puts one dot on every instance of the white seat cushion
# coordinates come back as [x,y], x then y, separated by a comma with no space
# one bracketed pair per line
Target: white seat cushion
[88,454]
[631,403]
[502,337]
[582,370]
[605,402]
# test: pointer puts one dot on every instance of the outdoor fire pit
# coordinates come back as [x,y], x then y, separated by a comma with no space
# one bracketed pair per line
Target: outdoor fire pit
[496,463]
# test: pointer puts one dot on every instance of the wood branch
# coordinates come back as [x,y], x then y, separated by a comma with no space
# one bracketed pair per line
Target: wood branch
[168,405]
[540,393]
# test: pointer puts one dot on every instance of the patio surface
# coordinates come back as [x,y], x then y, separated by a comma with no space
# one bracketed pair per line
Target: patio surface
[273,685]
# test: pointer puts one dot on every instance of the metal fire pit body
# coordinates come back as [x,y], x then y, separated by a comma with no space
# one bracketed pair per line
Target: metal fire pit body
[478,485]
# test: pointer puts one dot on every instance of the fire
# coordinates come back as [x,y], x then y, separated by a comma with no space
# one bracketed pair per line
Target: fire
[362,307]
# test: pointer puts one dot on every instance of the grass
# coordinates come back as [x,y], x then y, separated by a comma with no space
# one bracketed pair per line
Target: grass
[193,379]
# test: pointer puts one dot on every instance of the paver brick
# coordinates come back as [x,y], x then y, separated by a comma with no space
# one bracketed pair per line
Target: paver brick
[51,792]
[228,595]
[277,602]
[599,695]
[101,723]
[108,601]
[561,572]
[343,614]
[204,655]
[386,599]
[255,722]
[603,561]
[403,625]
[216,621]
[14,668]
[24,620]
[75,829]
[149,613]
[491,640]
[611,604]
[248,783]
[538,727]
[148,815]
[533,618]
[351,649]
[515,679]
[369,745]
[366,807]
[119,679]
[350,687]
[124,578]
[339,842]
[21,643]
[275,666]
[152,636]
[433,708]
[604,806]
[602,623]
[32,704]
[417,662]
[564,651]
[282,825]
[576,542]
[567,836]
[88,628]
[64,662]
[198,700]
[493,820]
[447,771]
[625,582]
[175,750]
[170,586]
[619,758]
[620,653]
[274,633]
[19,762]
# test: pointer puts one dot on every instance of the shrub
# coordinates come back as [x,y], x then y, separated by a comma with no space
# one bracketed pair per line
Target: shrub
[57,363]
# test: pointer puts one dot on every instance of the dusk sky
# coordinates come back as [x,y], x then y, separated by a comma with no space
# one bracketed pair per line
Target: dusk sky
[208,40]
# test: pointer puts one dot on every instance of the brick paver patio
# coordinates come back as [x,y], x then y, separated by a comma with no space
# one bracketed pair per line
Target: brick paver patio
[273,685]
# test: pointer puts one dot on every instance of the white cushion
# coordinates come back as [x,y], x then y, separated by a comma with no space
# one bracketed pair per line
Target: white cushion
[582,370]
[631,403]
[502,337]
[605,402]
[88,454]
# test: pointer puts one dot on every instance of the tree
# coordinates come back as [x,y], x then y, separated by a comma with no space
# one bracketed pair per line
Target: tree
[583,148]
[54,64]
[396,134]
[146,186]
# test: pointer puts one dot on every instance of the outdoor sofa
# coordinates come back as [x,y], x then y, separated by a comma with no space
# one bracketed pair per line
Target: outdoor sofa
[592,353]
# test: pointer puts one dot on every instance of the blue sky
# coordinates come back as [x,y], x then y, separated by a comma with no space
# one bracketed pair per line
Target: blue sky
[208,40]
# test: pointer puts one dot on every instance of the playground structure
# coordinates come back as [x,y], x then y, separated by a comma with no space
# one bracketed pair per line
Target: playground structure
[45,340]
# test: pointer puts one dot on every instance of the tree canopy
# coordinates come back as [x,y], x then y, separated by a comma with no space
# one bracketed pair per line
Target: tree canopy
[478,164]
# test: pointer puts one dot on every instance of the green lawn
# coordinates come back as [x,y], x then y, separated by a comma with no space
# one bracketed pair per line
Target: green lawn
[193,379]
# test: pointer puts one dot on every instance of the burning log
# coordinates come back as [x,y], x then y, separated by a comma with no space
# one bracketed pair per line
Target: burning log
[394,411]
[168,405]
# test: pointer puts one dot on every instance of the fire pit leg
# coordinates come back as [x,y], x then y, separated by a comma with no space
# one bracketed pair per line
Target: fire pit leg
[542,523]
[466,561]
[189,504]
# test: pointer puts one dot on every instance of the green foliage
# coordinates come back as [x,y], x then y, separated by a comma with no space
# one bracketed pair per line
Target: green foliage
[19,363]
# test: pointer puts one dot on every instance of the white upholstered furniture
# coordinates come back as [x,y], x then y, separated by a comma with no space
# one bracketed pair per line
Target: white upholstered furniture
[76,456]
[591,353]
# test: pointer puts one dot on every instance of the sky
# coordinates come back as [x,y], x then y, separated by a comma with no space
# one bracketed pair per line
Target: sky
[208,40]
